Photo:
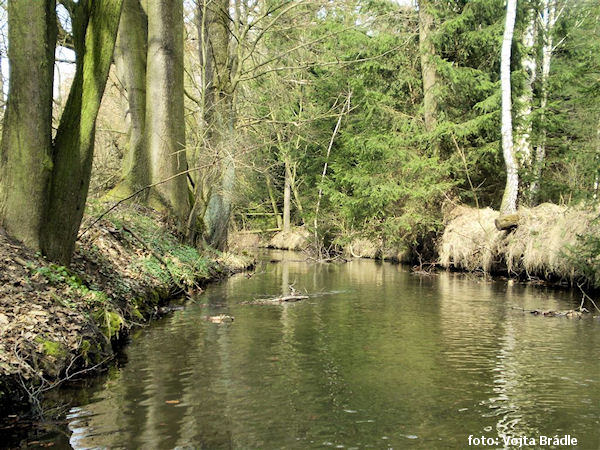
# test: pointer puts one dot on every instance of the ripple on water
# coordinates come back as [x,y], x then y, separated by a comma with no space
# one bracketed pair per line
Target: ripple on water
[384,359]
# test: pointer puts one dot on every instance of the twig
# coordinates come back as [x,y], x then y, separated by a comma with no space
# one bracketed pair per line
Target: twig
[588,297]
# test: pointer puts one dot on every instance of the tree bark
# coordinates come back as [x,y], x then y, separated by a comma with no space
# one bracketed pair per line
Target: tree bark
[287,197]
[26,149]
[523,128]
[509,199]
[165,126]
[273,200]
[548,22]
[428,70]
[222,124]
[95,27]
[130,60]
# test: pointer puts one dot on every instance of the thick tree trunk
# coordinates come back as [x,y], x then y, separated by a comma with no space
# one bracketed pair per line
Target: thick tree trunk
[428,71]
[509,199]
[218,211]
[165,126]
[596,160]
[95,27]
[130,60]
[25,154]
[222,124]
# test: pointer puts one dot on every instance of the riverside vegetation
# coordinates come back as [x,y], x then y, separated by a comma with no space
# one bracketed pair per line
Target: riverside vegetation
[61,322]
[378,128]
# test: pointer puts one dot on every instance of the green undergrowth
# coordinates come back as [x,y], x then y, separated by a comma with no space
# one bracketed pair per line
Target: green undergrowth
[166,258]
[127,265]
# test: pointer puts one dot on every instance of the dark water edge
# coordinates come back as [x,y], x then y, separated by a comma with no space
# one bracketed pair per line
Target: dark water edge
[377,357]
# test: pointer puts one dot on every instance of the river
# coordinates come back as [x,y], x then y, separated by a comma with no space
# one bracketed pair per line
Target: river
[377,357]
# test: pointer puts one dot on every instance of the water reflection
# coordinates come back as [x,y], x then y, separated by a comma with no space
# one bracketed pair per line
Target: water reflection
[376,357]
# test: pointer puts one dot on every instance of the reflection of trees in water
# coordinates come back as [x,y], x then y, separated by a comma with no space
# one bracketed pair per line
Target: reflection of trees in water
[379,344]
[515,363]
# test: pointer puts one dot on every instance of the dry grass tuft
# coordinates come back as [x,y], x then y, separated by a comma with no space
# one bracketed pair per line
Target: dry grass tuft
[470,240]
[235,262]
[364,248]
[238,242]
[539,246]
[296,239]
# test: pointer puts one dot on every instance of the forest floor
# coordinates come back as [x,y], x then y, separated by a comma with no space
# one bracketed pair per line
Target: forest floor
[57,323]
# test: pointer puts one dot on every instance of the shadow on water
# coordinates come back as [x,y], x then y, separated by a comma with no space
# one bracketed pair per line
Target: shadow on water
[377,357]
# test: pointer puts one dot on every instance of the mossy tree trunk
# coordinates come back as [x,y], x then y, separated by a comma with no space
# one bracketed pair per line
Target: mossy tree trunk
[26,150]
[130,60]
[95,26]
[221,125]
[165,126]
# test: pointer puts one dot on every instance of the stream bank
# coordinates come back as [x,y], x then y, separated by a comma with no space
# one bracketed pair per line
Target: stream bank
[59,322]
[549,243]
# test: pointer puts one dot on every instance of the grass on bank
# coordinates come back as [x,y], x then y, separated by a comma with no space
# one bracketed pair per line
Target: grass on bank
[548,243]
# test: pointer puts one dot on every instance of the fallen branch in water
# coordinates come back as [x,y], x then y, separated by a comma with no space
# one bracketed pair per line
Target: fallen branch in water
[571,313]
[585,296]
[277,300]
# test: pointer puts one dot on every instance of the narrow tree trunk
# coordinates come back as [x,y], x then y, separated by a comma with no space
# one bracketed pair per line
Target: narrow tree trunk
[165,126]
[25,154]
[548,22]
[273,200]
[283,154]
[509,199]
[523,129]
[287,197]
[597,160]
[95,27]
[130,60]
[204,17]
[428,71]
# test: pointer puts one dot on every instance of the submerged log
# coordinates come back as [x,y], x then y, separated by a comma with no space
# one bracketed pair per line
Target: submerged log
[290,298]
[276,300]
[507,222]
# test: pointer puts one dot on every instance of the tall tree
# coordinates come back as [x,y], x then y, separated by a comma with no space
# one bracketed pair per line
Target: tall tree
[26,151]
[221,122]
[95,25]
[523,116]
[130,61]
[511,190]
[428,69]
[548,23]
[165,126]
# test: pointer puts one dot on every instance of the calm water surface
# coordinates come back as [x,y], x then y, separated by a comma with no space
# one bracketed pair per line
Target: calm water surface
[376,358]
